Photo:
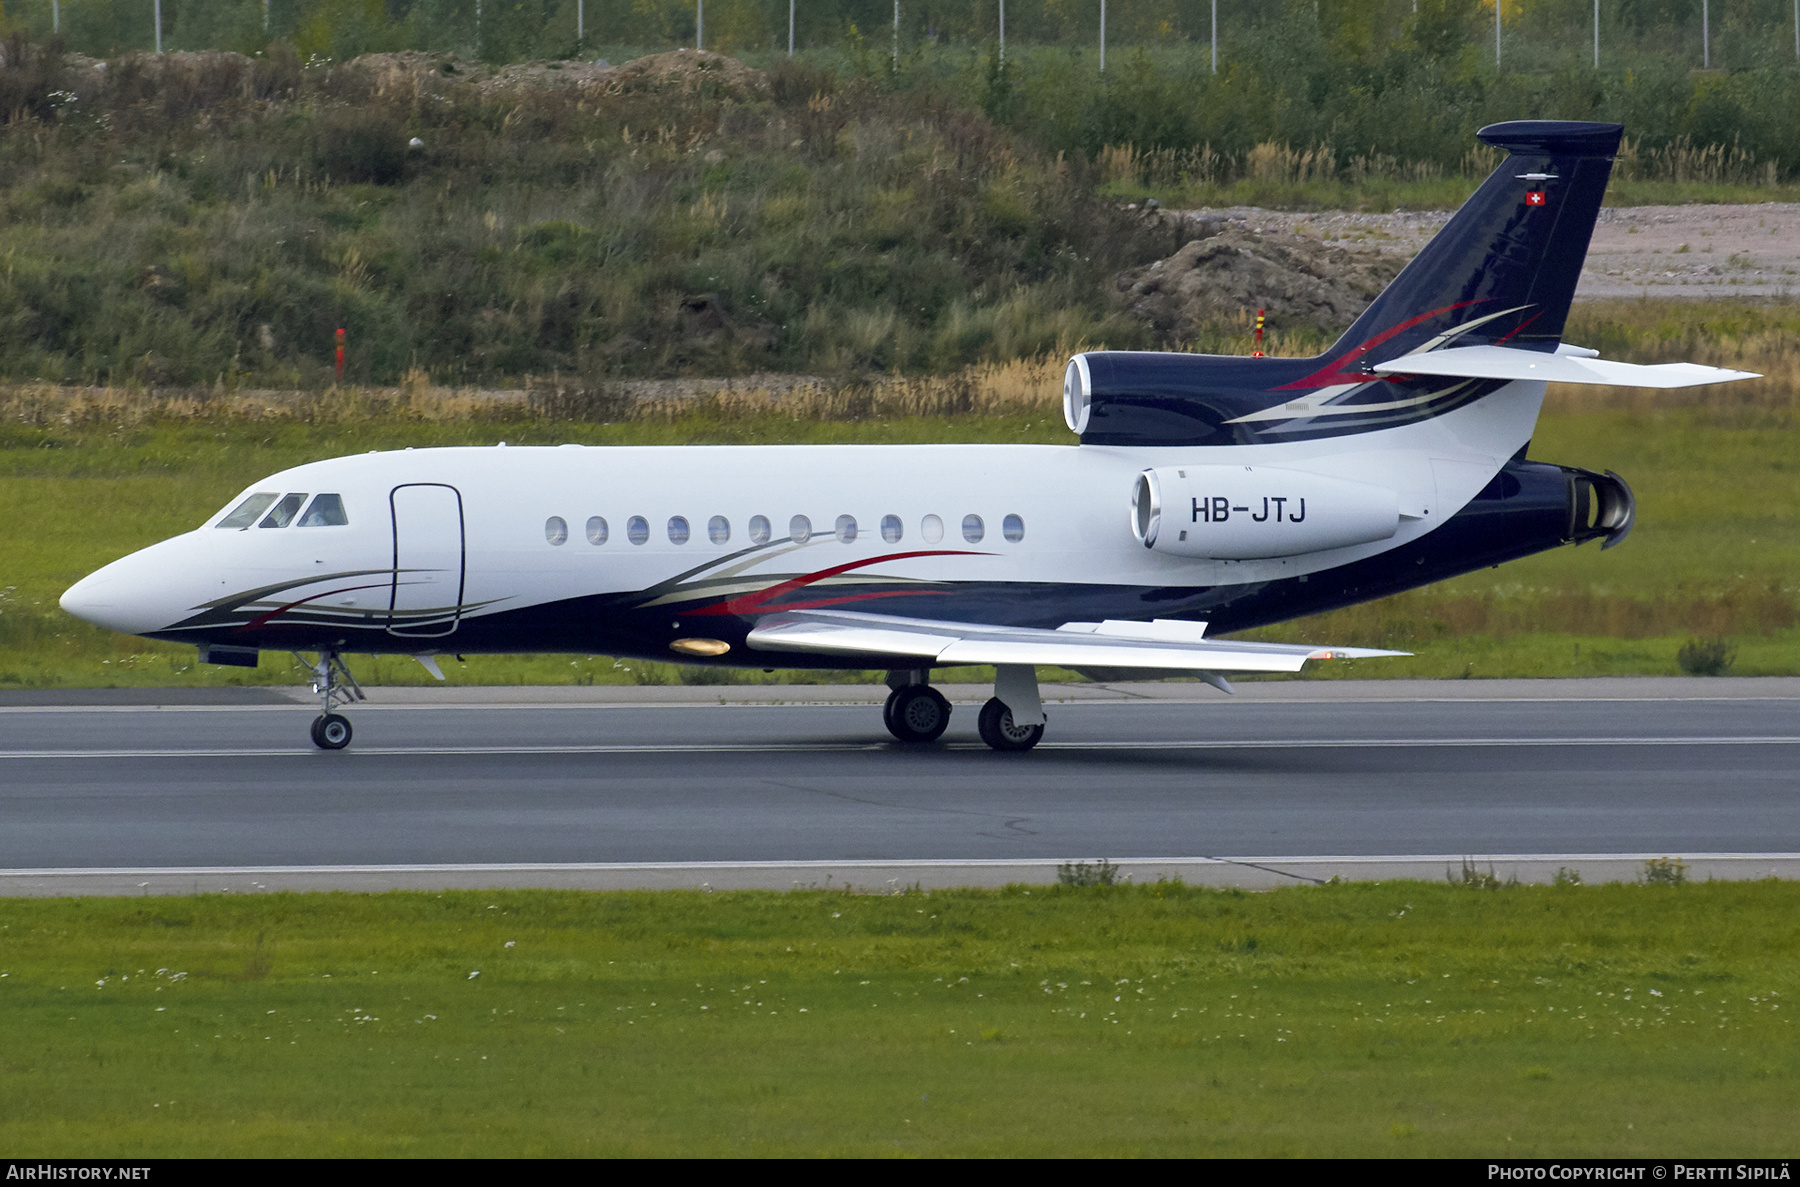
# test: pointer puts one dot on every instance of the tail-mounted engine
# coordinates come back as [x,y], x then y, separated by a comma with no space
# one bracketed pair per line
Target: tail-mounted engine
[1601,507]
[1254,512]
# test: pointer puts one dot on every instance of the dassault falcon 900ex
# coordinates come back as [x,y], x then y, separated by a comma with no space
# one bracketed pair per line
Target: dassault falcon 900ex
[1207,493]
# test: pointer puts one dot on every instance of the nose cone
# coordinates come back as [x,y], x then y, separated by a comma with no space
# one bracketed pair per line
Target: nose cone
[95,598]
[146,591]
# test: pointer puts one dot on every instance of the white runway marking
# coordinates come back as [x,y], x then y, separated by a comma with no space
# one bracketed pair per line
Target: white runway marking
[850,747]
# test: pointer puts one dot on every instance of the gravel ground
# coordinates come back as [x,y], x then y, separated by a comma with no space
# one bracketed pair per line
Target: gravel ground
[1694,252]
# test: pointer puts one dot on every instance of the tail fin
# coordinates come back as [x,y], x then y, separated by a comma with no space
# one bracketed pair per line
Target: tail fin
[1504,267]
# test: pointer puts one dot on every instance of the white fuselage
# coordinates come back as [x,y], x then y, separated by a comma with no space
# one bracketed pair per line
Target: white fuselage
[1073,504]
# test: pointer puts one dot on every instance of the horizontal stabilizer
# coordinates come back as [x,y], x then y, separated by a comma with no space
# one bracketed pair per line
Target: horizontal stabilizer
[1504,362]
[845,632]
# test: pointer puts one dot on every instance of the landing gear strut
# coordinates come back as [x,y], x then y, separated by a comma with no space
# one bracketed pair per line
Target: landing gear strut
[915,711]
[335,686]
[1013,719]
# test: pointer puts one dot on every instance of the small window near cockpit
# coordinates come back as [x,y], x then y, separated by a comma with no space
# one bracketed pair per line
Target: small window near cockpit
[846,529]
[678,530]
[718,530]
[283,513]
[556,530]
[1013,528]
[973,528]
[892,529]
[596,530]
[759,529]
[326,511]
[248,510]
[637,529]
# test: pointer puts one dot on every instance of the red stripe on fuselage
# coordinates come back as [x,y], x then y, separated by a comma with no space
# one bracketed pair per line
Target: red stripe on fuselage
[280,610]
[1333,373]
[757,603]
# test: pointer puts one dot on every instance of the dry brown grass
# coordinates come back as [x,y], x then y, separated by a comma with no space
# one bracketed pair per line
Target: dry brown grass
[1018,387]
[1014,388]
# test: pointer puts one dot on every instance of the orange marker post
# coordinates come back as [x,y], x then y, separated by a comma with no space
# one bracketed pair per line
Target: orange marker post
[340,355]
[1255,354]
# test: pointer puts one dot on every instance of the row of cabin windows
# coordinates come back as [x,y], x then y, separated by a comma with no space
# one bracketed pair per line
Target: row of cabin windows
[325,511]
[800,529]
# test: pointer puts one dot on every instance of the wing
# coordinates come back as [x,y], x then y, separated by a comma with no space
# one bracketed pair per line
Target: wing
[1505,362]
[1162,644]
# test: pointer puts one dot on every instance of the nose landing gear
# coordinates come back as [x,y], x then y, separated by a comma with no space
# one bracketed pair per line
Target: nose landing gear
[336,686]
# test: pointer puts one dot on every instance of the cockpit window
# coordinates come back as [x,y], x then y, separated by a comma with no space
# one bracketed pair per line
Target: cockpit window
[248,510]
[283,512]
[327,511]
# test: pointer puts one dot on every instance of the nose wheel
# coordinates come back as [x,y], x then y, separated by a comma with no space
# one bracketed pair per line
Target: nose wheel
[335,686]
[331,731]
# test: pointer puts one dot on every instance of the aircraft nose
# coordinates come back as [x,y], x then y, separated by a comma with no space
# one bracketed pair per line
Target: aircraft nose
[143,592]
[94,598]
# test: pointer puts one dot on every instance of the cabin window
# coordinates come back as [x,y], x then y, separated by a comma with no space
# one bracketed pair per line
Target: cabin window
[759,529]
[556,530]
[932,528]
[1013,528]
[326,511]
[718,530]
[596,530]
[973,529]
[846,529]
[637,529]
[248,510]
[799,529]
[282,513]
[678,530]
[891,529]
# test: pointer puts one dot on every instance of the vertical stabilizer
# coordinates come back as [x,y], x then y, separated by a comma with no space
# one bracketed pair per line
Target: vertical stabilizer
[1504,267]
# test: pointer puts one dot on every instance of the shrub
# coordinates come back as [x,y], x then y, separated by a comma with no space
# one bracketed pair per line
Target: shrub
[1705,657]
[1081,873]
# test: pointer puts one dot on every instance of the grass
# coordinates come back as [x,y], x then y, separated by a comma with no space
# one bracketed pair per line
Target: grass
[1355,1019]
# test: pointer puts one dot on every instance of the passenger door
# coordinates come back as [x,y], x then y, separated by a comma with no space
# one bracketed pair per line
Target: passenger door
[428,561]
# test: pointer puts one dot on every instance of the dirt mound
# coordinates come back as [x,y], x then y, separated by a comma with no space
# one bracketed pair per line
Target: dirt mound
[682,72]
[690,72]
[1298,279]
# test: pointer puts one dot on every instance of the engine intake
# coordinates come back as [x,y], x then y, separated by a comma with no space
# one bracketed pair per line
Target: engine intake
[1256,512]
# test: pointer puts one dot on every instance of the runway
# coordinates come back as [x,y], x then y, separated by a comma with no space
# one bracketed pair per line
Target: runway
[486,787]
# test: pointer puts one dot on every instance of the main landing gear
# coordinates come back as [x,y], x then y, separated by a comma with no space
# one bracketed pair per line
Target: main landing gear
[915,712]
[336,686]
[1012,720]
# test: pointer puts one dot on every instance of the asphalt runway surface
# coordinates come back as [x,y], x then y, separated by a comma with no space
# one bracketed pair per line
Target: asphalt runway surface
[510,784]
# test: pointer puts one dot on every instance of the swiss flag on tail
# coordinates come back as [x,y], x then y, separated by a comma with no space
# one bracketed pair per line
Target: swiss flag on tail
[1534,197]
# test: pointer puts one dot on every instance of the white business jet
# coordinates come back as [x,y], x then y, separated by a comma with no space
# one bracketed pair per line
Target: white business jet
[1207,495]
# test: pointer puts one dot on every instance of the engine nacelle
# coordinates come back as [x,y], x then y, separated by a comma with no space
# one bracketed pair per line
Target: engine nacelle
[1256,512]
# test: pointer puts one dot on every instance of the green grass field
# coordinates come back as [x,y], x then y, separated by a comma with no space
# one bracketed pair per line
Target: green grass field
[1355,1019]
